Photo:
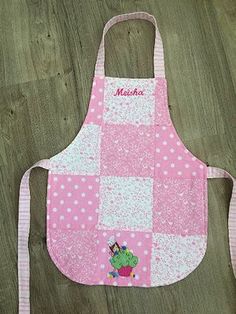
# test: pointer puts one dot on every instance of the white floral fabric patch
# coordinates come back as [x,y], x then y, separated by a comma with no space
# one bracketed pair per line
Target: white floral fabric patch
[82,156]
[133,102]
[174,257]
[125,203]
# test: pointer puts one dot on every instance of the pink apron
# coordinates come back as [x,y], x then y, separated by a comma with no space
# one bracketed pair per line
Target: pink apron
[126,200]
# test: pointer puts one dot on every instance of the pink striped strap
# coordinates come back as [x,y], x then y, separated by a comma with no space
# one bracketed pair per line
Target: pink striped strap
[214,172]
[159,68]
[23,237]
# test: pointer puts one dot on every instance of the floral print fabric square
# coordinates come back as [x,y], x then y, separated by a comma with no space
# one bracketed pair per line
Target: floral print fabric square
[174,257]
[74,253]
[131,103]
[82,156]
[127,150]
[121,207]
[179,206]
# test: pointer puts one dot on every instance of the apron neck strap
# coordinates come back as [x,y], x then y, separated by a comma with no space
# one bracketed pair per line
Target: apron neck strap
[159,68]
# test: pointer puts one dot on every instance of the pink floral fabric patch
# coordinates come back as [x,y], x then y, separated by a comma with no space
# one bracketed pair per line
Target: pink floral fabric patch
[179,207]
[74,253]
[127,150]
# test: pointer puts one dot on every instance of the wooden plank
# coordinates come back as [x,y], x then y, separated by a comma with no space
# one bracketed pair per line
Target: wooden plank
[30,42]
[225,12]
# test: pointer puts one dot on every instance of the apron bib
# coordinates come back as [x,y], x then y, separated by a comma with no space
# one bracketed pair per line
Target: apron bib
[126,200]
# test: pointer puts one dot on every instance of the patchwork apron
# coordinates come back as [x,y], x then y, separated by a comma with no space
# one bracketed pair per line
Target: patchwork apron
[126,200]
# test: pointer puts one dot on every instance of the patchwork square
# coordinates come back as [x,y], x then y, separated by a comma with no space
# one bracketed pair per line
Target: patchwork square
[82,156]
[72,202]
[180,207]
[131,101]
[74,253]
[124,258]
[175,257]
[127,150]
[173,159]
[95,110]
[125,203]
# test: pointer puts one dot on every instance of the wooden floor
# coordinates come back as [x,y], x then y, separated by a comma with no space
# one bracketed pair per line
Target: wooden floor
[47,57]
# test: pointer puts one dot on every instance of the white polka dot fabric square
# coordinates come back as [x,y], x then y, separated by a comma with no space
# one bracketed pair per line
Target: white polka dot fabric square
[82,156]
[174,257]
[129,101]
[126,203]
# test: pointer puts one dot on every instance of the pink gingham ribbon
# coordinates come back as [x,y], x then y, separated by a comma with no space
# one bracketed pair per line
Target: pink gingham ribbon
[23,238]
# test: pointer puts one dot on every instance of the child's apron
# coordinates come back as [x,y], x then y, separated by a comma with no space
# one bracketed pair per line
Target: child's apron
[127,201]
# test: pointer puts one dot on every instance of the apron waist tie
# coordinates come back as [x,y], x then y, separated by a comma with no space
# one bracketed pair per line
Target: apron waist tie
[214,172]
[23,237]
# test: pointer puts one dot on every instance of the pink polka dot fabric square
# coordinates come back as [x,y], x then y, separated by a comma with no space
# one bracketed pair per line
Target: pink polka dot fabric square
[72,201]
[139,243]
[127,150]
[96,105]
[172,159]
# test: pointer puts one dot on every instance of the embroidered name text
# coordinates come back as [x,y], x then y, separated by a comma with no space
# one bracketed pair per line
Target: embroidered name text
[128,92]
